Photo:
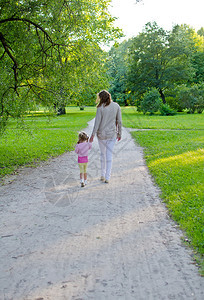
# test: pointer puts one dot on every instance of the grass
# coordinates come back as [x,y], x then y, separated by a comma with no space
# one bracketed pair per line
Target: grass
[133,119]
[42,137]
[175,158]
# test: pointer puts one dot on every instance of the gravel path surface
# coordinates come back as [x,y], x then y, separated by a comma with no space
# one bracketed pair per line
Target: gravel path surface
[105,241]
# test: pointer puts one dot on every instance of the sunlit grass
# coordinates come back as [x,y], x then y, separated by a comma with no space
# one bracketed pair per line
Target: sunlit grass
[174,153]
[182,159]
[133,119]
[40,137]
[176,160]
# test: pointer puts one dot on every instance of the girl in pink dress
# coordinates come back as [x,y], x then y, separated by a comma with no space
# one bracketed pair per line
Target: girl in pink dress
[82,148]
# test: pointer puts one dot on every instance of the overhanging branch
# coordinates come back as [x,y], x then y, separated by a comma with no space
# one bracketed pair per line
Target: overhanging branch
[8,51]
[2,55]
[29,22]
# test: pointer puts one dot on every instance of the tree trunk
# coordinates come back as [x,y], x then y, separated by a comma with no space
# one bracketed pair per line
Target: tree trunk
[162,96]
[61,110]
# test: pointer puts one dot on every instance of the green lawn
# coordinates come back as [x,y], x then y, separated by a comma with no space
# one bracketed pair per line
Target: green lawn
[175,158]
[133,119]
[44,137]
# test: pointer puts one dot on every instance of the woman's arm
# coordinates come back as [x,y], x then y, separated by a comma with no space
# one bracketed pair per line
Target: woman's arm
[119,123]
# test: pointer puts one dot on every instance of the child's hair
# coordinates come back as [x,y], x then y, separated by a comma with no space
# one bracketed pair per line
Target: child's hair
[82,137]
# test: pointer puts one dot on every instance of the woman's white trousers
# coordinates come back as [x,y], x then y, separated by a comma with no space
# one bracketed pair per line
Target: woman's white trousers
[106,148]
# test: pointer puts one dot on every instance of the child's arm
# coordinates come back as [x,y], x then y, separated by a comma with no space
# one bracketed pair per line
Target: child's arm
[77,148]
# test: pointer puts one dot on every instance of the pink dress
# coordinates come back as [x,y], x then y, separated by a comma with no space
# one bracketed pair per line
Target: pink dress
[82,150]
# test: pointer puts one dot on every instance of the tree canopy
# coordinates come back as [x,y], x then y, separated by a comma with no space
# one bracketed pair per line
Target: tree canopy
[156,58]
[48,49]
[117,70]
[159,59]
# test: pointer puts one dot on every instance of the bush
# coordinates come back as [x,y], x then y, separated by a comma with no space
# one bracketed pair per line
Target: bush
[173,102]
[200,104]
[121,99]
[187,100]
[191,98]
[200,98]
[166,110]
[151,101]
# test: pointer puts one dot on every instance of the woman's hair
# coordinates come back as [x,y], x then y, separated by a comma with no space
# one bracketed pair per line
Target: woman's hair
[82,137]
[104,97]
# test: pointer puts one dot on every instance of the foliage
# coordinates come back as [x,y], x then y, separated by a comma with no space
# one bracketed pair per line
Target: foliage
[198,92]
[171,156]
[166,110]
[50,51]
[198,65]
[201,31]
[173,101]
[117,70]
[43,137]
[151,101]
[191,98]
[156,58]
[160,59]
[175,159]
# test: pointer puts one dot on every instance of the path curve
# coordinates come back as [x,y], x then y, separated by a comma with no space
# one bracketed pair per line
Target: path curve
[105,241]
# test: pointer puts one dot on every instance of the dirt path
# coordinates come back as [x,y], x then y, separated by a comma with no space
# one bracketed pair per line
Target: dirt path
[105,241]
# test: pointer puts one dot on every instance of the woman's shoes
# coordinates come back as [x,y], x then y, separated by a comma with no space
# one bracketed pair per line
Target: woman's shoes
[104,180]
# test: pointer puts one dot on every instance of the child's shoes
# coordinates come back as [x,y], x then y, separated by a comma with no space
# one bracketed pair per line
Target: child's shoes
[82,183]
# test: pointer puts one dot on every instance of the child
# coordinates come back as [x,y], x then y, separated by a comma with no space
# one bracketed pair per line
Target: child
[82,148]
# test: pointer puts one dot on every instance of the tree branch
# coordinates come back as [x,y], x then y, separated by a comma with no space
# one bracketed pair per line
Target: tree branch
[2,55]
[37,26]
[42,45]
[30,22]
[15,64]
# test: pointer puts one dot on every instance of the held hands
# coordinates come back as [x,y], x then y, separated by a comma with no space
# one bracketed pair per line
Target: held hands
[91,139]
[118,137]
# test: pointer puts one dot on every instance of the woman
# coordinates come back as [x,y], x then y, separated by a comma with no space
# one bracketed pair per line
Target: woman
[107,127]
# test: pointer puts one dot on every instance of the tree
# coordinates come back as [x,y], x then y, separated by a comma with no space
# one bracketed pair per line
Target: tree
[160,59]
[198,57]
[198,66]
[41,47]
[79,77]
[117,69]
[201,31]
